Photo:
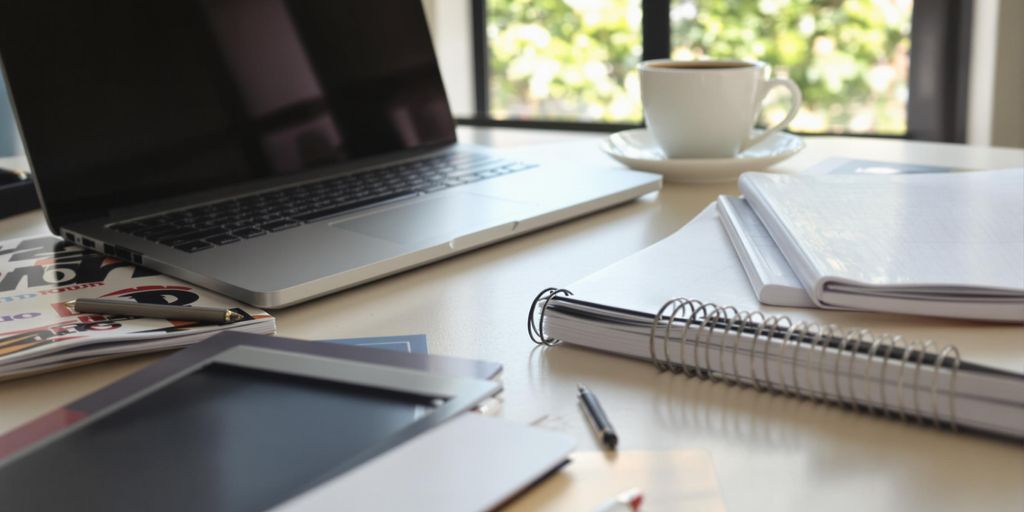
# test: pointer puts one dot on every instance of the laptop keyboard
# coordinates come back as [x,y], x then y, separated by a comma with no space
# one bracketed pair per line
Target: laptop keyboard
[226,222]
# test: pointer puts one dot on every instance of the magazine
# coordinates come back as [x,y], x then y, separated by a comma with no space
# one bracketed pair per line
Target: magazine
[38,332]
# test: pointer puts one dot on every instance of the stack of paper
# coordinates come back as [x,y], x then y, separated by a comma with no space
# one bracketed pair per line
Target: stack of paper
[949,245]
[766,267]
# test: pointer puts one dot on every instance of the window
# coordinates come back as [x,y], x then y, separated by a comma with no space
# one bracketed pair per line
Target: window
[564,60]
[851,59]
[572,63]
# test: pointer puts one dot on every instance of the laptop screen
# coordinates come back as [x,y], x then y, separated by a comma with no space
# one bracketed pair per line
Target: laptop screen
[123,102]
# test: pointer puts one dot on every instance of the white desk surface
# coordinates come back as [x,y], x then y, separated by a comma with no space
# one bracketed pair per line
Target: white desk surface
[769,452]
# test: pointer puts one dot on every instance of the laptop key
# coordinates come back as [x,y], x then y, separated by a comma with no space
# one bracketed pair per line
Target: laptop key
[248,232]
[223,239]
[278,225]
[163,232]
[178,239]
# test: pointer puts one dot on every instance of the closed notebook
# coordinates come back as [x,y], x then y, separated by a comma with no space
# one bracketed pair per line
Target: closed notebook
[948,245]
[770,274]
[767,269]
[955,373]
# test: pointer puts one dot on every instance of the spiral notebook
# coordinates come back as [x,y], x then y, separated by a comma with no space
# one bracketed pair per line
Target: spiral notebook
[955,374]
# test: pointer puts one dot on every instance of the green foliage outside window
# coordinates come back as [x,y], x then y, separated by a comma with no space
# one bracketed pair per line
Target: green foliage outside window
[576,59]
[564,59]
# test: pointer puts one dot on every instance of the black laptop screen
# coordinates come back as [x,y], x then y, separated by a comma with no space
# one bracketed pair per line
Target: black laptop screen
[123,102]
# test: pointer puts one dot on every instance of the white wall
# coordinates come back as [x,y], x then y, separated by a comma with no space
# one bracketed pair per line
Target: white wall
[995,103]
[451,30]
[1008,100]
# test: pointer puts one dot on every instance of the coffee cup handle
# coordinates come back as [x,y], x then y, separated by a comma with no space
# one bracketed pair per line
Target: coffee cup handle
[796,98]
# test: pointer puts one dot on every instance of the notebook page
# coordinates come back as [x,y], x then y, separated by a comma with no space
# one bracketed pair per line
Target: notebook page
[698,262]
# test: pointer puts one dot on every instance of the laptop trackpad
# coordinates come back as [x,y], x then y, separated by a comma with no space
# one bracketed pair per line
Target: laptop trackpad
[440,219]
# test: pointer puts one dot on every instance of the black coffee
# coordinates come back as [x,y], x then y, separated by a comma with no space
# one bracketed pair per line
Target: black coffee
[702,64]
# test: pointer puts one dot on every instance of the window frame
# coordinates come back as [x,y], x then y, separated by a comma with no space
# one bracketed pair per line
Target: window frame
[938,76]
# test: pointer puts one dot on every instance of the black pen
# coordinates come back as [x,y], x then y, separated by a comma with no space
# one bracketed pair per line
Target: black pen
[595,415]
[123,307]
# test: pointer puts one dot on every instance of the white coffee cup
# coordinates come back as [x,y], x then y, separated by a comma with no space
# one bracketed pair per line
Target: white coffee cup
[707,109]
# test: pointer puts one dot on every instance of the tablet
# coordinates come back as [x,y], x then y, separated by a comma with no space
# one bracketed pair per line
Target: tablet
[243,429]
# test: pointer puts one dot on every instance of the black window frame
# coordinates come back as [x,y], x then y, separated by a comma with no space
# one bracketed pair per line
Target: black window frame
[940,39]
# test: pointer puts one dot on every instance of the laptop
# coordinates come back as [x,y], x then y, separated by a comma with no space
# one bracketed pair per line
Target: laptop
[271,150]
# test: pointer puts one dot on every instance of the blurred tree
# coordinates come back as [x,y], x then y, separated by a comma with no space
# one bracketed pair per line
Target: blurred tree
[565,59]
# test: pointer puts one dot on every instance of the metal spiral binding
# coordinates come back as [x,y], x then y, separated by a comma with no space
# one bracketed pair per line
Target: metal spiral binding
[704,325]
[535,322]
[704,320]
[949,349]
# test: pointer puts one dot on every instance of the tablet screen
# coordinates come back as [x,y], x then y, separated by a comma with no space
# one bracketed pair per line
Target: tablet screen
[234,438]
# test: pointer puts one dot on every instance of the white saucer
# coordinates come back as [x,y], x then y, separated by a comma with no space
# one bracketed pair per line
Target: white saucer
[636,148]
